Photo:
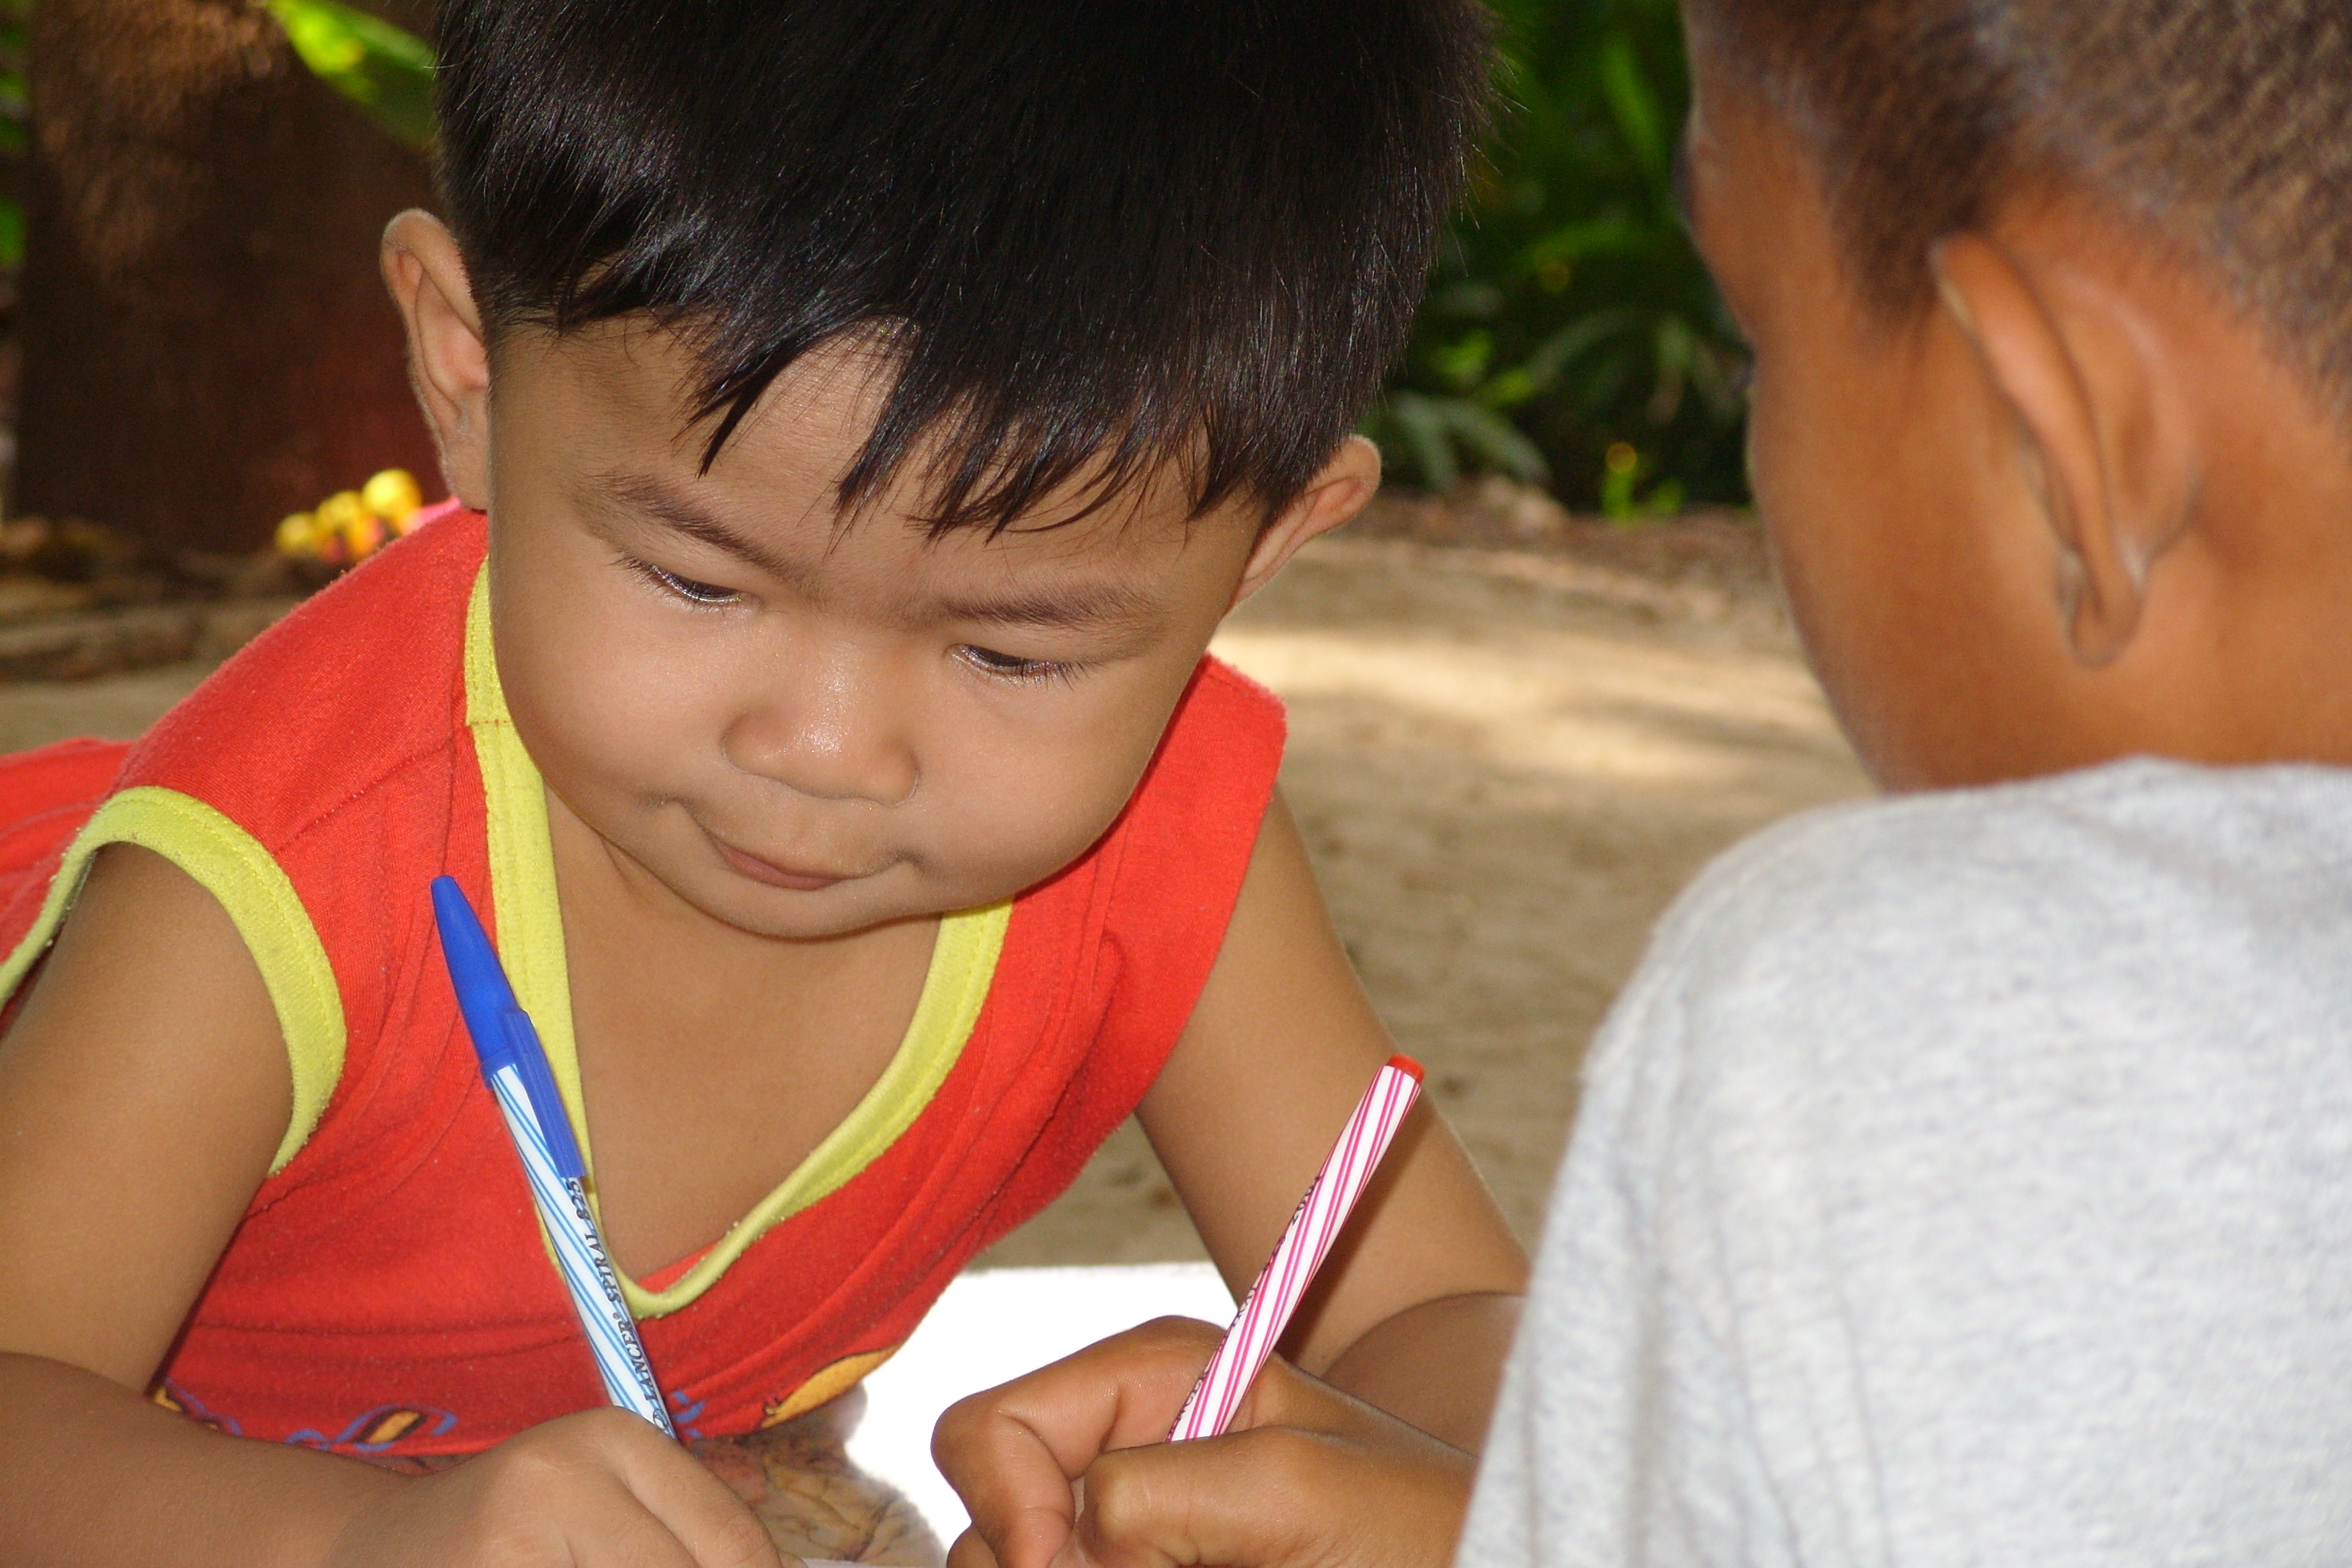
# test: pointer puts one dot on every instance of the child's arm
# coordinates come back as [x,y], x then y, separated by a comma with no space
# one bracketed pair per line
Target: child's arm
[143,1090]
[1412,1313]
[1414,1309]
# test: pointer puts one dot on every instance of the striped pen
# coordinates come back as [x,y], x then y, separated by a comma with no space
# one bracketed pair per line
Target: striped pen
[1322,1213]
[516,1069]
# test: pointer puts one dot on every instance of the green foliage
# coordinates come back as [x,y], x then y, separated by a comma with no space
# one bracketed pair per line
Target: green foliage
[1571,336]
[384,69]
[15,131]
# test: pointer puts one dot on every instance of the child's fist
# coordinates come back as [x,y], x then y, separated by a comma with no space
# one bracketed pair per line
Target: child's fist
[1068,1468]
[600,1489]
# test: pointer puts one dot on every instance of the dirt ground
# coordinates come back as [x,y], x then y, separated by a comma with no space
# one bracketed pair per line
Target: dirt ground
[1506,762]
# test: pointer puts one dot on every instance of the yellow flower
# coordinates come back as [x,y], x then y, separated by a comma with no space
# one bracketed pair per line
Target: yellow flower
[298,535]
[340,511]
[392,495]
[363,535]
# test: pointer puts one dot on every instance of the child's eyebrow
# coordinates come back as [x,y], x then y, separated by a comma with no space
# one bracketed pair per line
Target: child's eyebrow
[1090,607]
[646,495]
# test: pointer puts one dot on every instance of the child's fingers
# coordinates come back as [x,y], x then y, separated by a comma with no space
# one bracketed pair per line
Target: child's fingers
[1274,1497]
[1012,1452]
[596,1490]
[684,1514]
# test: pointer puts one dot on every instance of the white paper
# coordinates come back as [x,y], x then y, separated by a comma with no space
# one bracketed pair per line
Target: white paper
[990,1328]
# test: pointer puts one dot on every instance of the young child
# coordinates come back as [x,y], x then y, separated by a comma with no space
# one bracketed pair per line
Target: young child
[1965,1178]
[875,405]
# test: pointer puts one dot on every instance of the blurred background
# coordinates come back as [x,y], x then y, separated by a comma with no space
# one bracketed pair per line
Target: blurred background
[192,188]
[1545,679]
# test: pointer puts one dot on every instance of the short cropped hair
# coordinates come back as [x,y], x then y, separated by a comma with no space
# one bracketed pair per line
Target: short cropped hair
[2223,127]
[1097,236]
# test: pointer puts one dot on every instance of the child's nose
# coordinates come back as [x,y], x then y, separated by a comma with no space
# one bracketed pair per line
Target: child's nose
[826,737]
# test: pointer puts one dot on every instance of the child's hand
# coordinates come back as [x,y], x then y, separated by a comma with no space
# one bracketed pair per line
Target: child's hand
[599,1488]
[1306,1477]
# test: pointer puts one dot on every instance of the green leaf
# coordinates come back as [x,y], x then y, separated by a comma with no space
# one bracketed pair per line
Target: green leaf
[1593,236]
[1633,104]
[1420,425]
[386,70]
[1462,362]
[1470,302]
[1677,345]
[1495,440]
[1579,337]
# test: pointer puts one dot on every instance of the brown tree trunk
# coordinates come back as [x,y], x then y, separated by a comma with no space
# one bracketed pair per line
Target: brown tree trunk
[207,345]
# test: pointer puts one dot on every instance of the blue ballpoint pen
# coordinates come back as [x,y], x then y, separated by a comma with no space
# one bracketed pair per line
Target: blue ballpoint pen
[516,1069]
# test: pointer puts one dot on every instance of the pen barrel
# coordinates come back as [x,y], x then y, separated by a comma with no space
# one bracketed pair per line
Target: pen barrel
[580,1257]
[1266,1311]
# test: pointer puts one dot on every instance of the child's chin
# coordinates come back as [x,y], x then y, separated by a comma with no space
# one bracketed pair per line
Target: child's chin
[840,908]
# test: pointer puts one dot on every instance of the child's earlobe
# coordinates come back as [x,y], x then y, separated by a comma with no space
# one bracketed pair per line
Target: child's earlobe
[2095,633]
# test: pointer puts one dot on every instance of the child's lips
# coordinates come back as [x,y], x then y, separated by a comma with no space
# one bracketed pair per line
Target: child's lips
[775,875]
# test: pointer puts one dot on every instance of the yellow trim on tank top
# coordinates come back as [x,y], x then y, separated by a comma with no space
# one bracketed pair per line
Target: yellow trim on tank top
[529,924]
[231,865]
[824,1385]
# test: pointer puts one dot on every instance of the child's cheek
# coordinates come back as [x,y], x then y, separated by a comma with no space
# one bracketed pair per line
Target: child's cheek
[1029,803]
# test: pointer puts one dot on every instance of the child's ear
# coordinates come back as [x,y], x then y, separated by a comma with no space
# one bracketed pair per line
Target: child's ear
[448,357]
[1336,494]
[2106,453]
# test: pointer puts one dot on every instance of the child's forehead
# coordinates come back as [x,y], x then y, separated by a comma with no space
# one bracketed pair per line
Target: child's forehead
[616,406]
[642,383]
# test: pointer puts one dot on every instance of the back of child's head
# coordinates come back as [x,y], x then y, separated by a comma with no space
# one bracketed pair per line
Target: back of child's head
[1093,236]
[2221,128]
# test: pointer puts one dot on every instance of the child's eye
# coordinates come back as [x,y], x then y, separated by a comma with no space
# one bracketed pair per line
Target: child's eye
[1010,667]
[685,588]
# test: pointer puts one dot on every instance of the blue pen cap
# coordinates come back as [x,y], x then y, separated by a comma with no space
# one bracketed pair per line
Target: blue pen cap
[501,1029]
[483,995]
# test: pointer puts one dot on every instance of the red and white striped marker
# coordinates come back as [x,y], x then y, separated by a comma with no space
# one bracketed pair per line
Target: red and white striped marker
[1265,1310]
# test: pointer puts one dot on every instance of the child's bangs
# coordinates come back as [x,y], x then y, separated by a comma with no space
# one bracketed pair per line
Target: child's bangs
[1048,447]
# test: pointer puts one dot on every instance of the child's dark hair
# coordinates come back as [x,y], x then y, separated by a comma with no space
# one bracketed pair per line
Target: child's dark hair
[1096,235]
[2223,126]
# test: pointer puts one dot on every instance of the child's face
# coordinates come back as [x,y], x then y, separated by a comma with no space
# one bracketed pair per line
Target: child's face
[1896,493]
[801,727]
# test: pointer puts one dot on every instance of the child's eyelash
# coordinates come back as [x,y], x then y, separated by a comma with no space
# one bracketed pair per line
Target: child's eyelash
[997,666]
[1023,671]
[687,588]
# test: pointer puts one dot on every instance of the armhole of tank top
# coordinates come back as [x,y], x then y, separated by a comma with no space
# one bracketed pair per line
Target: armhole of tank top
[228,863]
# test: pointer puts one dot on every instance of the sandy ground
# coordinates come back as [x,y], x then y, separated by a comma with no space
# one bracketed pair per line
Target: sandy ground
[1505,765]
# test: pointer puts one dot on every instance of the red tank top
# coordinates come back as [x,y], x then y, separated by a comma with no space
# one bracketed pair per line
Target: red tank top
[389,1288]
